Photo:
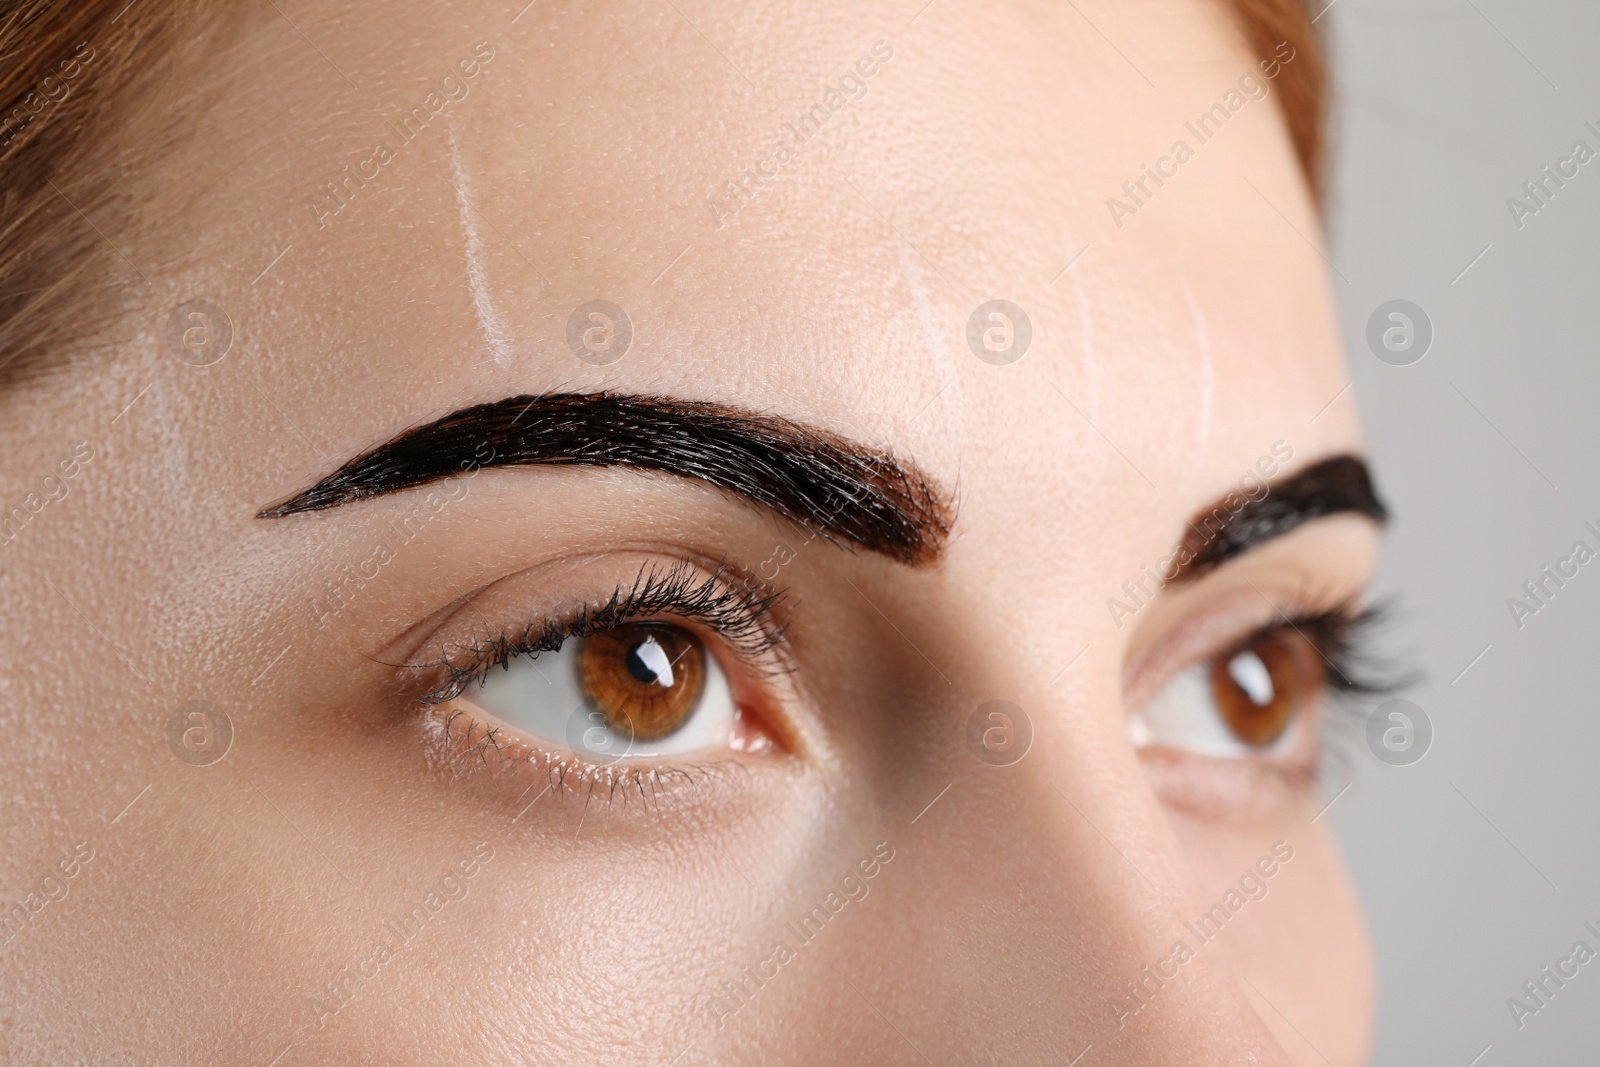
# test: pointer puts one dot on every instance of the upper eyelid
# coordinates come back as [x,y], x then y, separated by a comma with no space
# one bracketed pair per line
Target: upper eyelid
[1192,641]
[1342,657]
[764,635]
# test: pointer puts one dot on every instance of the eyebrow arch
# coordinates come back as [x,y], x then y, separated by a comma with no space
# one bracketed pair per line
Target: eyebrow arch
[841,490]
[1237,522]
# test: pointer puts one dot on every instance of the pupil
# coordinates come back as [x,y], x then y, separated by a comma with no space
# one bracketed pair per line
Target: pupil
[648,663]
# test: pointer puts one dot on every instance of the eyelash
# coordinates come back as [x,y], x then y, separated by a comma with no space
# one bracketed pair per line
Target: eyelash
[1343,635]
[1354,674]
[745,613]
[750,618]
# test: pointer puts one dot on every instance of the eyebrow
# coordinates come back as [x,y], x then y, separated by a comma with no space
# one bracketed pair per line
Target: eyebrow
[844,491]
[1238,522]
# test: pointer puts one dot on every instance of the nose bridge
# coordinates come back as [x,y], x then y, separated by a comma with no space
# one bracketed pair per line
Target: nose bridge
[1041,899]
[1162,991]
[1051,894]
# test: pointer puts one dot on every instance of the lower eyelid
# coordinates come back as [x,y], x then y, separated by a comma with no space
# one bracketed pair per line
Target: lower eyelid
[1294,753]
[1238,792]
[462,747]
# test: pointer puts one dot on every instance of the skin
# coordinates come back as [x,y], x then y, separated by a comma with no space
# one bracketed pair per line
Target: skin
[1015,907]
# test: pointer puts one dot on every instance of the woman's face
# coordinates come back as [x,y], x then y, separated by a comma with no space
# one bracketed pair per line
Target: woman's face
[824,839]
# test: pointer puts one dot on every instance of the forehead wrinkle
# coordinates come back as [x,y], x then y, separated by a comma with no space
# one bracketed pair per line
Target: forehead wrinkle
[935,342]
[496,335]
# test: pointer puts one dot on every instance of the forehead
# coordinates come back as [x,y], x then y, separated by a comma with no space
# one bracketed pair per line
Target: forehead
[797,207]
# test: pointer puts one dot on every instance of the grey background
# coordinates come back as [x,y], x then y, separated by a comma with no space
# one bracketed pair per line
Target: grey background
[1446,107]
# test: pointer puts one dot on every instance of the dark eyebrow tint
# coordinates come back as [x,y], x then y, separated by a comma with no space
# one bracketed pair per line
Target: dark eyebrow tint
[1223,530]
[825,483]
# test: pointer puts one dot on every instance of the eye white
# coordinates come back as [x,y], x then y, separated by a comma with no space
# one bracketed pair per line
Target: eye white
[542,698]
[1185,715]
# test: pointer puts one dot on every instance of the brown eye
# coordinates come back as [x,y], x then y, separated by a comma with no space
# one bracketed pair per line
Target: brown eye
[1257,689]
[644,678]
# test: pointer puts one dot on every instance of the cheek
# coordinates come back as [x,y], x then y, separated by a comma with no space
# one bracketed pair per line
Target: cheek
[562,889]
[1306,938]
